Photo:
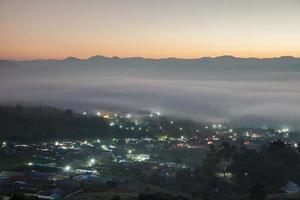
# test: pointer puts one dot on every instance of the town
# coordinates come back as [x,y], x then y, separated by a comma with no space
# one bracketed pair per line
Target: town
[142,145]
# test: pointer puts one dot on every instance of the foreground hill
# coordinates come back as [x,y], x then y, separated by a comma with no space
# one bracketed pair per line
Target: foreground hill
[42,123]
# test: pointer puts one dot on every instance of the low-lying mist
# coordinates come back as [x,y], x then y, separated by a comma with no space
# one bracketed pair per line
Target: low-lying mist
[248,92]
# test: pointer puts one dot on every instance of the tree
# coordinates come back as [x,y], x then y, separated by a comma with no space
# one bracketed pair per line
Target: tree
[205,176]
[183,178]
[257,192]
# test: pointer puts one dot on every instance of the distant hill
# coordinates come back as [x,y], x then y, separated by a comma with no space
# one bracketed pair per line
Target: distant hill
[218,68]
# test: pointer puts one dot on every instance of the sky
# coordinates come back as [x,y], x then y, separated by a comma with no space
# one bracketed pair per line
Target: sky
[40,29]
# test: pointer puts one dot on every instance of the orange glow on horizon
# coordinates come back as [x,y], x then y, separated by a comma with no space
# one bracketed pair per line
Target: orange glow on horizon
[35,29]
[154,55]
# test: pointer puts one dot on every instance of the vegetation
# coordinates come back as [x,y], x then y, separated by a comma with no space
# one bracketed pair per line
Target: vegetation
[18,123]
[257,173]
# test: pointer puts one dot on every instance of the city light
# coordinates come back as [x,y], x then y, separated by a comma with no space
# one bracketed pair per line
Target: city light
[104,147]
[106,117]
[92,161]
[3,144]
[67,168]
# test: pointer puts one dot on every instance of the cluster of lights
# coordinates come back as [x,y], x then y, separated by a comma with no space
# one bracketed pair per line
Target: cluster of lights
[138,157]
[284,130]
[104,147]
[217,126]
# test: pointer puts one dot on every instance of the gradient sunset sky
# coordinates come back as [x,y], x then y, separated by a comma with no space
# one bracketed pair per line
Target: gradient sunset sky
[34,29]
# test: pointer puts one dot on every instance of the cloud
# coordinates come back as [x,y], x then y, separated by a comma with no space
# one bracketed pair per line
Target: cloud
[265,102]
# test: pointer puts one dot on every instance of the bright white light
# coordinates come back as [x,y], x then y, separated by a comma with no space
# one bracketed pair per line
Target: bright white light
[121,126]
[56,143]
[112,124]
[84,113]
[139,157]
[206,127]
[158,113]
[92,161]
[129,151]
[171,122]
[104,147]
[98,114]
[30,164]
[214,126]
[151,115]
[98,141]
[67,168]
[128,116]
[296,145]
[180,129]
[219,125]
[3,144]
